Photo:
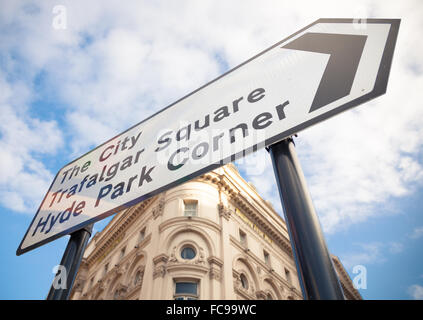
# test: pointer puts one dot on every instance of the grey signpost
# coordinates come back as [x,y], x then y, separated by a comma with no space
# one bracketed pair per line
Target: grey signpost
[317,274]
[328,67]
[70,263]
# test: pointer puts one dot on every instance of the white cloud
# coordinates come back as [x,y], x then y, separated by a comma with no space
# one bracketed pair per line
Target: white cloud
[396,247]
[117,63]
[23,177]
[415,291]
[365,157]
[417,233]
[369,253]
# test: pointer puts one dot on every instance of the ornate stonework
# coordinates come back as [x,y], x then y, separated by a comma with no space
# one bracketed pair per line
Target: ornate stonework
[215,268]
[173,258]
[160,262]
[224,211]
[261,294]
[149,268]
[158,209]
[79,285]
[159,271]
[176,259]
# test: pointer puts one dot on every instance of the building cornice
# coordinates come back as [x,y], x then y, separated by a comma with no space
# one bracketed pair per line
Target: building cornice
[347,285]
[109,237]
[235,195]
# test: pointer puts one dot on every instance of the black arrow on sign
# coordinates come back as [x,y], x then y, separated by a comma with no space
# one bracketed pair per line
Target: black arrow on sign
[345,52]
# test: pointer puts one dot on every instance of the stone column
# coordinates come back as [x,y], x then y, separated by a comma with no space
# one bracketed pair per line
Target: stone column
[159,272]
[215,275]
[228,290]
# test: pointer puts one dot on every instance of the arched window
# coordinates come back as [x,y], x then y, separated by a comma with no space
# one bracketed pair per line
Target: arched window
[138,277]
[188,253]
[244,281]
[269,297]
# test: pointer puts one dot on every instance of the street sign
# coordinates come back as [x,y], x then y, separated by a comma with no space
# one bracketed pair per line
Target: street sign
[324,69]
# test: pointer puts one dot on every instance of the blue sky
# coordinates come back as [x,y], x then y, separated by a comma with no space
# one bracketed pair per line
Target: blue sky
[65,90]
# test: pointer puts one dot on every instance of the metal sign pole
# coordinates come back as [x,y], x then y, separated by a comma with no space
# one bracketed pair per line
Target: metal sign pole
[71,261]
[316,272]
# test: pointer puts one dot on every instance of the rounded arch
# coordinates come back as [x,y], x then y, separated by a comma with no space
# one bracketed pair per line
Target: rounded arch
[113,285]
[269,286]
[242,265]
[134,265]
[183,229]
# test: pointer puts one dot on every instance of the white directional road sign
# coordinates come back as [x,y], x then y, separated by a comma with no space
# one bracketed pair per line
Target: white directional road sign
[321,70]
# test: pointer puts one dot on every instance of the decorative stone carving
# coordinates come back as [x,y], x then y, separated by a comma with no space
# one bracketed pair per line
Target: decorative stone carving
[158,209]
[120,269]
[160,262]
[122,288]
[200,259]
[101,286]
[260,294]
[161,258]
[159,271]
[215,271]
[120,292]
[224,211]
[215,274]
[173,258]
[98,289]
[138,277]
[79,285]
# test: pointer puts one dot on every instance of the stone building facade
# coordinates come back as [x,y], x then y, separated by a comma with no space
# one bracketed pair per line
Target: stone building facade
[213,237]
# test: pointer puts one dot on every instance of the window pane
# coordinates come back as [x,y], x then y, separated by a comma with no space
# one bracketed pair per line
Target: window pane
[243,238]
[266,258]
[186,287]
[244,281]
[190,208]
[288,276]
[188,253]
[137,278]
